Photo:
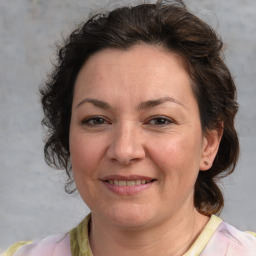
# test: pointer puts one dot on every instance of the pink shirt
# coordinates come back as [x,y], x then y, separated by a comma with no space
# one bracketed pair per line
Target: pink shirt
[217,239]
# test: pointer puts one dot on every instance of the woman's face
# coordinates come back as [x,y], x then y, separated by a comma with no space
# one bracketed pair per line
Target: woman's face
[135,136]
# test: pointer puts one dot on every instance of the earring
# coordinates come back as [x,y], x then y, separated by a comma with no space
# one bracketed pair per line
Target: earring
[206,163]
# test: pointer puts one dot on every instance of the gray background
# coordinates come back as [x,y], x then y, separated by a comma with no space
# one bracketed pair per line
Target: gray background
[32,197]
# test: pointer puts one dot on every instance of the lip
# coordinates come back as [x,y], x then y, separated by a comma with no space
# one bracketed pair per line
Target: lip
[127,190]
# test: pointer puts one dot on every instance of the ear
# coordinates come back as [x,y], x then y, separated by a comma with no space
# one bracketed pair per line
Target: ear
[211,142]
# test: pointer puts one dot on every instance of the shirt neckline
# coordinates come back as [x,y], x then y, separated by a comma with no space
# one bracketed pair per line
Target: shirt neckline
[204,237]
[79,238]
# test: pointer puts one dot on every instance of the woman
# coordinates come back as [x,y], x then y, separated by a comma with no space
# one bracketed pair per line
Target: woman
[140,110]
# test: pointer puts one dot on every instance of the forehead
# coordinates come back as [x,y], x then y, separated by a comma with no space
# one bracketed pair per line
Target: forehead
[150,58]
[140,71]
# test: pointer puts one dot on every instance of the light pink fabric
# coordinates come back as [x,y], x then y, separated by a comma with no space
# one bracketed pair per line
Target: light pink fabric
[226,241]
[54,245]
[229,241]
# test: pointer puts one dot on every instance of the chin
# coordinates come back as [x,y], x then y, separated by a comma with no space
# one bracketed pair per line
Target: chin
[131,218]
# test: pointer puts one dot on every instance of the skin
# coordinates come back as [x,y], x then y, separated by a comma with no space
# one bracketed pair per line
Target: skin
[126,136]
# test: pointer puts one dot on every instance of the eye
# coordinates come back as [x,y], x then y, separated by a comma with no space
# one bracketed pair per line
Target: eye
[95,121]
[160,121]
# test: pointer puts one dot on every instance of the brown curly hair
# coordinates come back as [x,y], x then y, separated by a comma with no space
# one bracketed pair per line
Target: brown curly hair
[172,26]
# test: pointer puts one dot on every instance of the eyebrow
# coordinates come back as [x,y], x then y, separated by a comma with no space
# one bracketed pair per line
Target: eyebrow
[156,102]
[142,106]
[96,103]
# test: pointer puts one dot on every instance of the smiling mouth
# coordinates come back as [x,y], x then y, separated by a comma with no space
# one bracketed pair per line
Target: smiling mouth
[131,183]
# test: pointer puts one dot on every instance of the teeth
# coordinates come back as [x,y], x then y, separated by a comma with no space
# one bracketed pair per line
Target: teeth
[130,183]
[137,182]
[122,183]
[127,183]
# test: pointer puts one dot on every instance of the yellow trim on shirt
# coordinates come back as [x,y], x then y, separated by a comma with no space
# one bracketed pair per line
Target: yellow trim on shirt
[11,250]
[79,239]
[80,246]
[204,237]
[252,233]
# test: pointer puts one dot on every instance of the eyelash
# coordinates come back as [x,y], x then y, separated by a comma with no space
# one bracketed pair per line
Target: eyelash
[104,121]
[162,118]
[86,121]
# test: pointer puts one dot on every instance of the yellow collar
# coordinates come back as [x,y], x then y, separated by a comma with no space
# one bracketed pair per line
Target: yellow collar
[80,246]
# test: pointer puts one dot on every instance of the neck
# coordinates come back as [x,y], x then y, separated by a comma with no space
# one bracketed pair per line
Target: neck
[173,237]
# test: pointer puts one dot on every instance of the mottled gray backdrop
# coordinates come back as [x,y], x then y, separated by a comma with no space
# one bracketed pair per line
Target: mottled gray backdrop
[32,197]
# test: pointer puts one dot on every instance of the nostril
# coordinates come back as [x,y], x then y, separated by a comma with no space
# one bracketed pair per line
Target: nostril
[124,160]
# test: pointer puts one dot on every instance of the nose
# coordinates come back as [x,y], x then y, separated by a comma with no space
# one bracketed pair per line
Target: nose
[126,146]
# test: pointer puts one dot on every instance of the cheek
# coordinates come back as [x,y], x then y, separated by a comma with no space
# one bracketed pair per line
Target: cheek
[177,158]
[85,154]
[85,158]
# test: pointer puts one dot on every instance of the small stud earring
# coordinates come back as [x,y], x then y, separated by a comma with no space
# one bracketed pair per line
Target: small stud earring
[206,163]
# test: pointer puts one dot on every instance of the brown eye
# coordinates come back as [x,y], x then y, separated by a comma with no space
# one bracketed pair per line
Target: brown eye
[94,121]
[160,121]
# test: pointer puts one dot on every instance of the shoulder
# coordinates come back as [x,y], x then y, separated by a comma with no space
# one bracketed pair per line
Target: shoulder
[229,241]
[54,245]
[72,243]
[240,240]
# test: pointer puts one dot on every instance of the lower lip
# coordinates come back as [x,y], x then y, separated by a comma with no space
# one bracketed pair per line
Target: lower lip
[127,190]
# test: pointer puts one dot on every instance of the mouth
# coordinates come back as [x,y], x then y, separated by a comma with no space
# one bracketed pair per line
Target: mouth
[129,183]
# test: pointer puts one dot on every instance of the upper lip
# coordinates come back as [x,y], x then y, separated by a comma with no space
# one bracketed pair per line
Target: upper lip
[127,178]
